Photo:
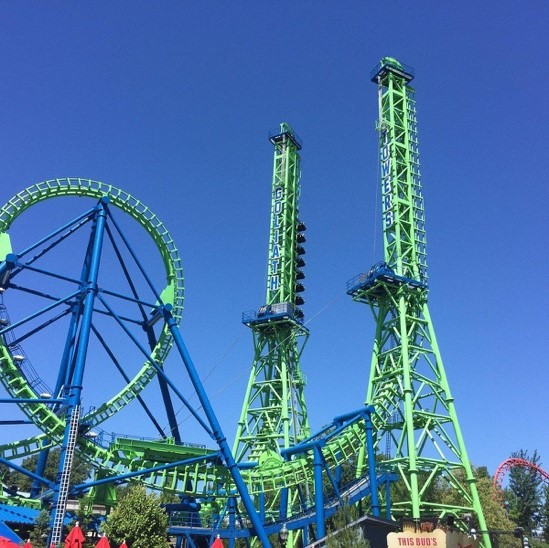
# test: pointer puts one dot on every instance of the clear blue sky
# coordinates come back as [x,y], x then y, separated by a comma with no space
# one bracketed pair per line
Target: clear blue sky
[172,101]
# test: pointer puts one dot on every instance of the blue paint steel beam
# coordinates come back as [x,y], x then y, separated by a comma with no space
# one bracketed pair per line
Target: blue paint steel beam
[216,428]
[75,386]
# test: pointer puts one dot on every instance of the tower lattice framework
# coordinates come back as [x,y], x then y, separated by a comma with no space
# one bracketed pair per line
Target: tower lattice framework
[415,420]
[274,415]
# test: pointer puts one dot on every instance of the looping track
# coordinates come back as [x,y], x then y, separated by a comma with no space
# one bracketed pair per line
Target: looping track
[123,456]
[13,376]
[506,465]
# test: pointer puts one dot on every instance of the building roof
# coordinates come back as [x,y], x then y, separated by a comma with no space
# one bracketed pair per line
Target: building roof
[17,514]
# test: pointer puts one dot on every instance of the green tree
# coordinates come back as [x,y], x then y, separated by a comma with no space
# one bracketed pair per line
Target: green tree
[139,519]
[545,514]
[495,514]
[122,491]
[80,470]
[341,534]
[39,534]
[493,508]
[84,515]
[524,494]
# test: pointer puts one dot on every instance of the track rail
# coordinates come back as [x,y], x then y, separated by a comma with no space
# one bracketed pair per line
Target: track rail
[506,465]
[13,378]
[208,477]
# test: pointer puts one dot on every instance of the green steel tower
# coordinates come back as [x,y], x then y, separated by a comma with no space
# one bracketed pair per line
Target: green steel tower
[274,415]
[415,412]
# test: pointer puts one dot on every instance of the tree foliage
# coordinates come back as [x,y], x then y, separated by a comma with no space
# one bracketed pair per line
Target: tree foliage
[139,520]
[401,493]
[523,495]
[545,514]
[38,535]
[493,508]
[341,534]
[80,470]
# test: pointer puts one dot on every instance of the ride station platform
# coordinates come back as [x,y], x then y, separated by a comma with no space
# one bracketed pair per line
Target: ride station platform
[277,312]
[165,451]
[376,279]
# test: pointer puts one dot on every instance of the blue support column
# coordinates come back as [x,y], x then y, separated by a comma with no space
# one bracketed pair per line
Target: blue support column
[305,533]
[261,498]
[232,520]
[283,512]
[68,353]
[6,267]
[217,433]
[36,486]
[319,492]
[73,398]
[25,472]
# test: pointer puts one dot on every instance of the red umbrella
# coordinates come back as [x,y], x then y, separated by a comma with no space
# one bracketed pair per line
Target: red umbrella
[123,545]
[7,543]
[103,543]
[75,538]
[27,544]
[217,543]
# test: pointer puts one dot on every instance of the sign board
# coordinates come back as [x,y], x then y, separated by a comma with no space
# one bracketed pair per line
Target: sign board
[434,539]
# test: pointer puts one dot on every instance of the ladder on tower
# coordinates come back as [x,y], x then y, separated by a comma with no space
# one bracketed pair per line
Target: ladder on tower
[64,480]
[417,198]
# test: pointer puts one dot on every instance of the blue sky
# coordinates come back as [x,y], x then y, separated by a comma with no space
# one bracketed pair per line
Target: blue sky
[172,101]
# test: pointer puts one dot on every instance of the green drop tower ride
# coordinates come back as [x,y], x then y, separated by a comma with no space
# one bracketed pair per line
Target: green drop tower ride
[415,419]
[274,415]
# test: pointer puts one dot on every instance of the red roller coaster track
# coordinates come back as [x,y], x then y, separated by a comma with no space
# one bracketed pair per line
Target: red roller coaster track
[506,465]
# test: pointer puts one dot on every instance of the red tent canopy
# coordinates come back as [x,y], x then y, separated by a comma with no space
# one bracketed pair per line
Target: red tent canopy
[7,543]
[75,538]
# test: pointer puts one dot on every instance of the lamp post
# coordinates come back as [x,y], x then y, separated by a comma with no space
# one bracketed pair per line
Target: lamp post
[519,533]
[283,536]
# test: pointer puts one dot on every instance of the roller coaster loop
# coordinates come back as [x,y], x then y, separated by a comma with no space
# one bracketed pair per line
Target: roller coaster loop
[506,465]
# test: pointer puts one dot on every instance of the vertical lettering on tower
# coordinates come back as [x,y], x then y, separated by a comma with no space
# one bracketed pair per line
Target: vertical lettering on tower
[274,259]
[386,181]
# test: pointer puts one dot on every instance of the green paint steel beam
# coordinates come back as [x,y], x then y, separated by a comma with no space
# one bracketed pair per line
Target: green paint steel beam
[12,376]
[284,333]
[274,414]
[415,420]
